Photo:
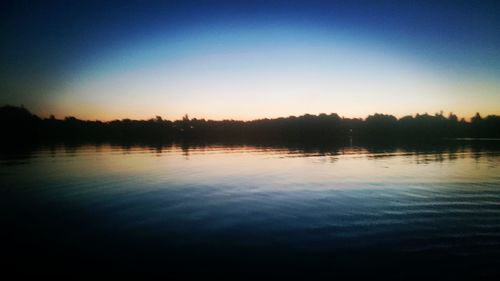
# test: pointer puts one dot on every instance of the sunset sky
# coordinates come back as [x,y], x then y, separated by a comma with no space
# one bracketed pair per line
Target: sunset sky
[250,59]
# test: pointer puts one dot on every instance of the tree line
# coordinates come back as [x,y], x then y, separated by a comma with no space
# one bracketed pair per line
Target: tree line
[19,125]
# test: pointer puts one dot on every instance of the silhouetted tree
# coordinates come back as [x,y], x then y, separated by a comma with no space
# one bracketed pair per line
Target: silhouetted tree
[18,124]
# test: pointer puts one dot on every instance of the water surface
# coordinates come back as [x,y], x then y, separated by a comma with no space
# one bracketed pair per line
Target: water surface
[179,209]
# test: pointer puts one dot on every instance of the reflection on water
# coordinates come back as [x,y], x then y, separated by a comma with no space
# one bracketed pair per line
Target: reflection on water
[397,210]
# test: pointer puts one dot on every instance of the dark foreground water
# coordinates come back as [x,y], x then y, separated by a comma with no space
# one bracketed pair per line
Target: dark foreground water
[246,211]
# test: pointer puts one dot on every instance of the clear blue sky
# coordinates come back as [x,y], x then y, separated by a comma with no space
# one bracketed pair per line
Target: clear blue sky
[250,59]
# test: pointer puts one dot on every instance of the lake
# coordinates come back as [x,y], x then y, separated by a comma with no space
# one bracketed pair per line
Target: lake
[399,211]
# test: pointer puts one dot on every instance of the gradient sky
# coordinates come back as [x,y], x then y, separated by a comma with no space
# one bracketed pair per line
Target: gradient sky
[250,59]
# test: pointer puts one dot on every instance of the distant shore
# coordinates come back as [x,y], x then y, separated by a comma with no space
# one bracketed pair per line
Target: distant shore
[19,125]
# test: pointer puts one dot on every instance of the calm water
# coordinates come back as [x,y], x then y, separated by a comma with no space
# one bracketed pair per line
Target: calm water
[179,210]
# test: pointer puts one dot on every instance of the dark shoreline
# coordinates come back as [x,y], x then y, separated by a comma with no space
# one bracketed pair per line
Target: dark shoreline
[19,126]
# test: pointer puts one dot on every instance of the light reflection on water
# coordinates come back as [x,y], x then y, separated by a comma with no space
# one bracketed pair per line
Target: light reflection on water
[270,207]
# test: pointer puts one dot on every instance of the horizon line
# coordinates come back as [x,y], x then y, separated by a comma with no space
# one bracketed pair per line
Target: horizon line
[441,113]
